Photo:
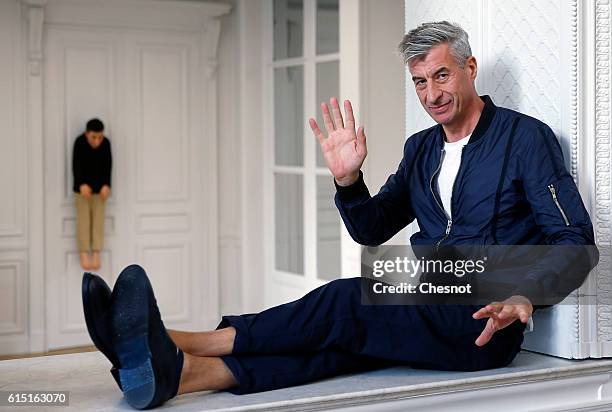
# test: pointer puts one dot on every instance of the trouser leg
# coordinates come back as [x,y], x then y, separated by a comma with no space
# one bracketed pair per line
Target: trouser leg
[332,317]
[83,218]
[256,373]
[97,223]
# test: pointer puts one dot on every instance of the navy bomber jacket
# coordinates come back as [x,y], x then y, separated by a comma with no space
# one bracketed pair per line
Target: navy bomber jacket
[512,188]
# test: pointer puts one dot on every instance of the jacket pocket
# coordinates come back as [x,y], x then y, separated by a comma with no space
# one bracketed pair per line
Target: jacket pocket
[553,193]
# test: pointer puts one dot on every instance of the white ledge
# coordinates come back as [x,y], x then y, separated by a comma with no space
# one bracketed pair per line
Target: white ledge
[532,382]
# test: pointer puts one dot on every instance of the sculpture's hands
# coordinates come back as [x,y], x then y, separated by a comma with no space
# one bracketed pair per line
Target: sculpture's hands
[105,192]
[85,191]
[502,314]
[343,150]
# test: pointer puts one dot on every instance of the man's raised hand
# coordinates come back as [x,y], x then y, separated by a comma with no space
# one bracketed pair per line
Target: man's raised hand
[343,150]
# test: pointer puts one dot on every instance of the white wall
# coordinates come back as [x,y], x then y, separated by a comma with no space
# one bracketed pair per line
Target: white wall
[229,166]
[383,97]
[241,161]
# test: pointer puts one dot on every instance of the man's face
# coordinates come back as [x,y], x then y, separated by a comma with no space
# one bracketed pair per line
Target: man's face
[443,87]
[94,138]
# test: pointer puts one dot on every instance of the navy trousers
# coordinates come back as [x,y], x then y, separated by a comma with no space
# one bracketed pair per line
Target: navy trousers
[329,332]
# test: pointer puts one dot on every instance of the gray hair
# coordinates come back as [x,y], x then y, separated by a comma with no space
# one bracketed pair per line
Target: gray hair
[419,41]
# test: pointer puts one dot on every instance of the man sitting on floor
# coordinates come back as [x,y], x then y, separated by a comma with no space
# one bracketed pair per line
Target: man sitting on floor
[484,175]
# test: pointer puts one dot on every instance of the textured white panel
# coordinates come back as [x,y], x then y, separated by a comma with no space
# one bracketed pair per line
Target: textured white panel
[88,84]
[163,159]
[603,179]
[163,223]
[524,66]
[13,309]
[168,269]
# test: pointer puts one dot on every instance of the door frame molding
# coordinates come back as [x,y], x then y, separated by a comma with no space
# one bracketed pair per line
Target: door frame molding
[33,11]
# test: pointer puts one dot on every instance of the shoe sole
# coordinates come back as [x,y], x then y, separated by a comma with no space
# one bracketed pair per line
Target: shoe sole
[130,325]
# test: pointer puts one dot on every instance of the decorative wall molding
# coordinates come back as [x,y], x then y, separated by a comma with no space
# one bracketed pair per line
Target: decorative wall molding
[602,131]
[574,92]
[68,228]
[15,332]
[162,171]
[147,14]
[573,131]
[33,14]
[163,222]
[35,17]
[13,274]
[212,31]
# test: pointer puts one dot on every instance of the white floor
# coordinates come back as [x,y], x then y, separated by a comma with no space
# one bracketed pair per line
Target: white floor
[532,382]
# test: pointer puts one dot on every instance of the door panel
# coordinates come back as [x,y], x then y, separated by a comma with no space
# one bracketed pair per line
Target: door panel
[145,85]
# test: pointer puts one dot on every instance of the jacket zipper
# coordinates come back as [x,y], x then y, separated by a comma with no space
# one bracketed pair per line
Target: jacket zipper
[553,192]
[449,224]
[449,221]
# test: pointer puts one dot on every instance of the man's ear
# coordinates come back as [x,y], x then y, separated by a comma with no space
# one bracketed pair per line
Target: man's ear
[472,67]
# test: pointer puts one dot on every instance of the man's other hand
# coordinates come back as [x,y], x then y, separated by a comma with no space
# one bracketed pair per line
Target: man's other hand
[85,191]
[105,192]
[502,314]
[343,150]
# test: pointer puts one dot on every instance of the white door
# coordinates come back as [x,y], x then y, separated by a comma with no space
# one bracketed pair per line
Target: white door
[146,85]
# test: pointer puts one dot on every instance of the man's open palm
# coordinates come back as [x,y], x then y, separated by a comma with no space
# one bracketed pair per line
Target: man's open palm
[343,150]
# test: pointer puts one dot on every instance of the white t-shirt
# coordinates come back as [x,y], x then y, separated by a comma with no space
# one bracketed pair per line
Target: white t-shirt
[446,179]
[449,169]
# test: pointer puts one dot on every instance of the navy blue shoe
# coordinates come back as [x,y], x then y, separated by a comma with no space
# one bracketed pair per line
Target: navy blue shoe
[96,305]
[150,363]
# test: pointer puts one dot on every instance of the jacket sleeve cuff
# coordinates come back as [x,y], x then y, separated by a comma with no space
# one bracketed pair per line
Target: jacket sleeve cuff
[354,191]
[531,289]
